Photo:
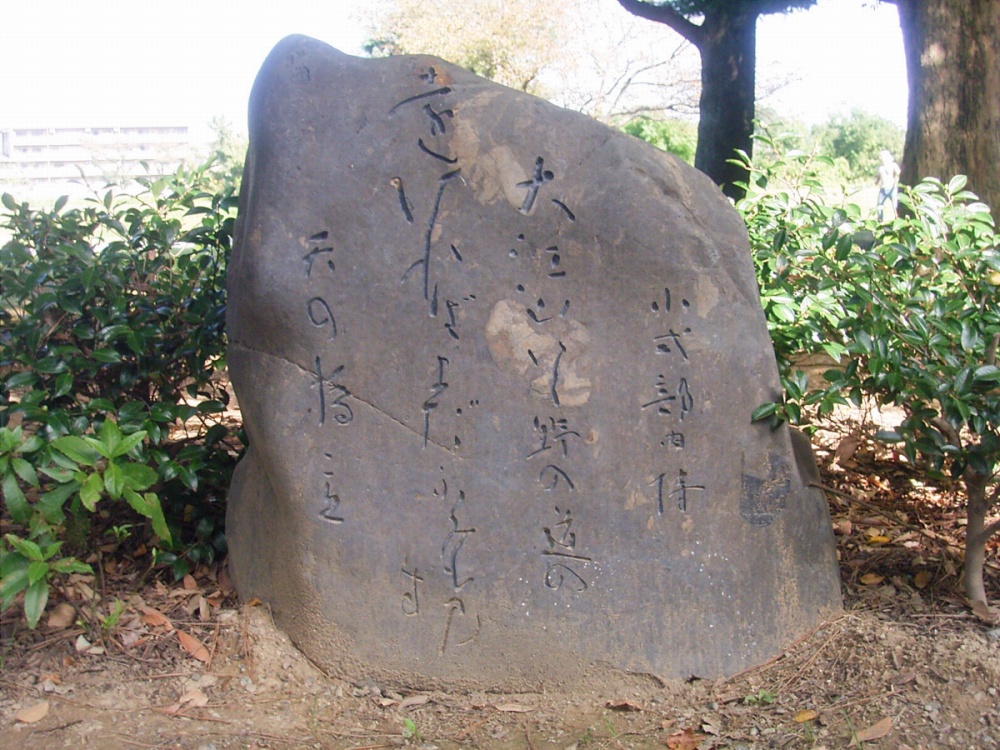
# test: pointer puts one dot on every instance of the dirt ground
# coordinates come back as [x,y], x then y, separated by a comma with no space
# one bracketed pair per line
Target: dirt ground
[907,664]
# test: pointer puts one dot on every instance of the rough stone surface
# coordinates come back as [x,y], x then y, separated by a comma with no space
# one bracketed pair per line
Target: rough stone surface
[497,363]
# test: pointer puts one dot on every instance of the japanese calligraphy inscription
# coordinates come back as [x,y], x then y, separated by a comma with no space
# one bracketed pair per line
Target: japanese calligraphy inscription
[497,363]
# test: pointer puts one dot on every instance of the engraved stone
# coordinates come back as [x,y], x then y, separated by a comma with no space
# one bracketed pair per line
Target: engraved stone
[497,363]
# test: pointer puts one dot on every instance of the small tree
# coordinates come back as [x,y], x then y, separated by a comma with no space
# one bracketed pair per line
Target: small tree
[913,316]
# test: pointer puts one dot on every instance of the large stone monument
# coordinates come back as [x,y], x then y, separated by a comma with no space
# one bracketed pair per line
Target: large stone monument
[496,363]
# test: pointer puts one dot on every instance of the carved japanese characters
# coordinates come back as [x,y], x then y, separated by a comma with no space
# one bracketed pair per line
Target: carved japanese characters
[497,363]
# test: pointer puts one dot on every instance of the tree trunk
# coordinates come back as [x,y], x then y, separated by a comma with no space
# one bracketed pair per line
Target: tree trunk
[728,58]
[976,534]
[953,66]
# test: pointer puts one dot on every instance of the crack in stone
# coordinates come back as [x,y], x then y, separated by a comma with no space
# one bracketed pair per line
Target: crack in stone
[464,460]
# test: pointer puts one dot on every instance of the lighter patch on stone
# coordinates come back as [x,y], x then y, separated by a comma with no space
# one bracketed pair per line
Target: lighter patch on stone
[495,172]
[530,351]
[706,296]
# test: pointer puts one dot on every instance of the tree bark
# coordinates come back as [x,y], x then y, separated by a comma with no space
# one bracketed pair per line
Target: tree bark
[727,42]
[728,62]
[977,534]
[953,117]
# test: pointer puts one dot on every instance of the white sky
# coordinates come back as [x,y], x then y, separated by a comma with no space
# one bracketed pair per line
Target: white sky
[182,62]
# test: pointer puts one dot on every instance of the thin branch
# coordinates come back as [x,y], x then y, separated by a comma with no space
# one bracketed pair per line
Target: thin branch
[944,426]
[991,349]
[992,529]
[666,15]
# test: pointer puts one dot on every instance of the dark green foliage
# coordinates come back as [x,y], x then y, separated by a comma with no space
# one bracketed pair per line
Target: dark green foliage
[910,309]
[679,137]
[112,330]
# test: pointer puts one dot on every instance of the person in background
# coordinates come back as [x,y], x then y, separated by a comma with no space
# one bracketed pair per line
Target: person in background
[888,184]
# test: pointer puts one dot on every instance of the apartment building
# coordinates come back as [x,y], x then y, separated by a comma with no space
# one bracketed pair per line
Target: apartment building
[48,162]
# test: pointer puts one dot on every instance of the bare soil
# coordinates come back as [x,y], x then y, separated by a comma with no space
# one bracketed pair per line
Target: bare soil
[907,664]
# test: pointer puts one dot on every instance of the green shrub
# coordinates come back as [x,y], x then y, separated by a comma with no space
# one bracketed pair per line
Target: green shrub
[112,331]
[911,311]
[678,137]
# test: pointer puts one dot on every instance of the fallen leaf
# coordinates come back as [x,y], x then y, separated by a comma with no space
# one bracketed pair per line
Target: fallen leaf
[904,678]
[204,609]
[623,706]
[922,579]
[414,700]
[847,448]
[803,716]
[62,615]
[193,646]
[189,583]
[843,528]
[385,702]
[52,677]
[875,732]
[193,698]
[685,739]
[711,726]
[255,602]
[872,579]
[33,714]
[515,708]
[155,619]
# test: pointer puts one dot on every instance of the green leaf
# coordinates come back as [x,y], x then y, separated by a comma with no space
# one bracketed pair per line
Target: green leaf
[106,356]
[138,502]
[957,183]
[77,449]
[37,571]
[90,491]
[988,374]
[970,337]
[64,385]
[128,443]
[26,547]
[26,471]
[21,380]
[114,480]
[139,476]
[111,437]
[71,565]
[58,473]
[763,411]
[888,436]
[148,505]
[13,584]
[35,599]
[51,502]
[16,502]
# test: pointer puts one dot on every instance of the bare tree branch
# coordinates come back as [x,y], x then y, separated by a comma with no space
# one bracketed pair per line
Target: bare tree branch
[666,15]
